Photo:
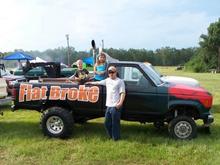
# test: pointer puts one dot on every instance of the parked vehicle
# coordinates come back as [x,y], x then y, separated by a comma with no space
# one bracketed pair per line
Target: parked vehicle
[3,88]
[3,93]
[173,79]
[148,99]
[10,78]
[40,69]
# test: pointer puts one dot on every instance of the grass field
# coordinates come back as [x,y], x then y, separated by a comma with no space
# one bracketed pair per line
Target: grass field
[22,142]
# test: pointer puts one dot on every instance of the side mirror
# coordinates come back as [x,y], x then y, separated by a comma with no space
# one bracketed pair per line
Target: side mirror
[11,71]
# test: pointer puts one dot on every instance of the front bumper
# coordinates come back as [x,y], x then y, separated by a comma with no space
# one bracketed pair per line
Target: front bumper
[208,120]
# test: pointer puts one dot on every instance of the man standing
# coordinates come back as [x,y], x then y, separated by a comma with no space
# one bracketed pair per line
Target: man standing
[114,100]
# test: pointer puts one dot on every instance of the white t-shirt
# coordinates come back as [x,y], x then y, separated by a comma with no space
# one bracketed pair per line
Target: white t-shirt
[114,89]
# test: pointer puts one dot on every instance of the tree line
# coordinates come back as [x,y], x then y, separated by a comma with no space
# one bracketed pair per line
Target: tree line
[161,57]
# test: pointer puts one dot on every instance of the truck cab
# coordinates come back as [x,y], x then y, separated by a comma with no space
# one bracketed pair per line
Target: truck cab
[146,98]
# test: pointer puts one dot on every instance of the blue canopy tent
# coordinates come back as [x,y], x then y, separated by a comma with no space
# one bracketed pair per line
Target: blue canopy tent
[18,56]
[88,60]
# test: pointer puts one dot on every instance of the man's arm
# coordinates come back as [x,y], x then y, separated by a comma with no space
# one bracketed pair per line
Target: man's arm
[92,83]
[120,103]
[102,82]
[122,94]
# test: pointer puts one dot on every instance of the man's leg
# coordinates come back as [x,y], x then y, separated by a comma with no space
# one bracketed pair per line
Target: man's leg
[116,116]
[108,122]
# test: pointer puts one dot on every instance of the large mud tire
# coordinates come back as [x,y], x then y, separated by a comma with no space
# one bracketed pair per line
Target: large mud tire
[182,127]
[57,122]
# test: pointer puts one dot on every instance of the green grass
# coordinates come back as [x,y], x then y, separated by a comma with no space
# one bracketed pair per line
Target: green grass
[22,142]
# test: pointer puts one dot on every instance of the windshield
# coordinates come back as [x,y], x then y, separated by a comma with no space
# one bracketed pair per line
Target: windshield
[155,76]
[153,68]
[156,71]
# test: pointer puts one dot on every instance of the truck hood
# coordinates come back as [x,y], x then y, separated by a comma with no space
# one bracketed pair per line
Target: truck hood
[181,80]
[187,92]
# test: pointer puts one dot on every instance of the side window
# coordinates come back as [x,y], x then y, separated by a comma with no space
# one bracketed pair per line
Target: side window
[133,78]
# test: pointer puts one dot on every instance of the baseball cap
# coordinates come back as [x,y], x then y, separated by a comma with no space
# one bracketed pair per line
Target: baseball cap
[112,68]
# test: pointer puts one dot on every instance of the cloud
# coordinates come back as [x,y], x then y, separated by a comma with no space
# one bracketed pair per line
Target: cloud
[40,24]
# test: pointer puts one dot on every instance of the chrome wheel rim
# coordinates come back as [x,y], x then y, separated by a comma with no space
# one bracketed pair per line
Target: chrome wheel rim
[183,129]
[55,124]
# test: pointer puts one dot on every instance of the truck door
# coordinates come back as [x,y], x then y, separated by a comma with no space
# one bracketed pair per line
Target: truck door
[87,108]
[141,94]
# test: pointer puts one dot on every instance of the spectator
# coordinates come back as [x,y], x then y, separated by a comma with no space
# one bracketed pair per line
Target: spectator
[115,96]
[100,67]
[81,75]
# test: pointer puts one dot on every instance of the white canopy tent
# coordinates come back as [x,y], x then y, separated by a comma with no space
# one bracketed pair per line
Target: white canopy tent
[37,59]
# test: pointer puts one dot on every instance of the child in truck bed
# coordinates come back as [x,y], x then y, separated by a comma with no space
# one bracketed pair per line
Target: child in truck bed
[81,75]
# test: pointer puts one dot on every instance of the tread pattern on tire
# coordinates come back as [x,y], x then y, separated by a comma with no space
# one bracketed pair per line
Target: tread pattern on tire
[182,118]
[65,115]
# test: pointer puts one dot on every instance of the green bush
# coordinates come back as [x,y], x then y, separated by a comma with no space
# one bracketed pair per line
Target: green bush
[196,65]
[203,61]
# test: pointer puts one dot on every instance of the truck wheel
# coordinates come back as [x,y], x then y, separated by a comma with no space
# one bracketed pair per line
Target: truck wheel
[182,127]
[57,122]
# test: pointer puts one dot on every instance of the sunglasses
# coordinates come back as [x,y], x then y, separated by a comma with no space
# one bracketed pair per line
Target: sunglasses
[111,72]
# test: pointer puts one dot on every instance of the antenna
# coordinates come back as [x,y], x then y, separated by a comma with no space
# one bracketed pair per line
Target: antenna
[102,44]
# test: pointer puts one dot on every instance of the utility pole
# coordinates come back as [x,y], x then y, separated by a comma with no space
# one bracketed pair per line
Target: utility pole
[102,44]
[68,49]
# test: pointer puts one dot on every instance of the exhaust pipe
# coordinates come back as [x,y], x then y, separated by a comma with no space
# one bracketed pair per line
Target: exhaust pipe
[94,51]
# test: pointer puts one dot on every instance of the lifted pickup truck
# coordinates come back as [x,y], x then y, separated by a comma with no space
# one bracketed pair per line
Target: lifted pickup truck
[148,99]
[10,78]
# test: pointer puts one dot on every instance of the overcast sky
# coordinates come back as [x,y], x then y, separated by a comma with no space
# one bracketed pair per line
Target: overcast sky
[149,24]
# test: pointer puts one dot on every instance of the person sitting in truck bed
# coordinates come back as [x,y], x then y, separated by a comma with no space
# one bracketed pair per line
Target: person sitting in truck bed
[81,75]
